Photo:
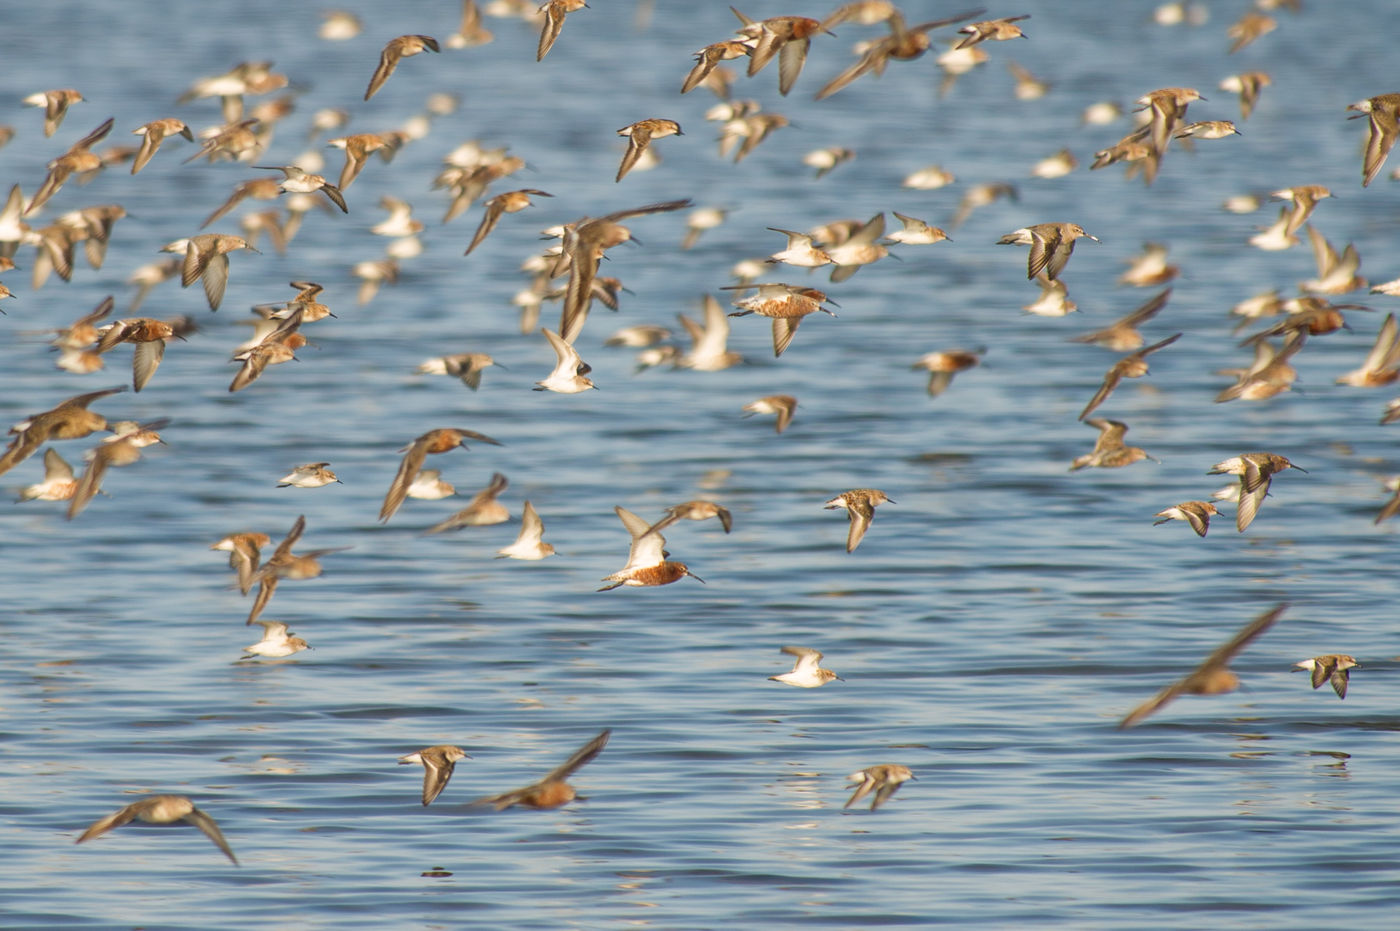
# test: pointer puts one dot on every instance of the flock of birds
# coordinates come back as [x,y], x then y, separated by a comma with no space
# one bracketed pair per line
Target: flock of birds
[842,247]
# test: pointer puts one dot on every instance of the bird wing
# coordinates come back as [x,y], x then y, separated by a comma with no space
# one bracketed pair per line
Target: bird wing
[582,756]
[144,361]
[215,279]
[211,830]
[488,223]
[637,141]
[388,61]
[791,58]
[784,328]
[408,471]
[115,820]
[1226,651]
[861,513]
[1111,379]
[866,784]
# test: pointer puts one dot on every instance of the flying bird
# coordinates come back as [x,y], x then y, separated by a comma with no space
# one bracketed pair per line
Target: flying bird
[161,809]
[1213,676]
[438,763]
[553,790]
[396,49]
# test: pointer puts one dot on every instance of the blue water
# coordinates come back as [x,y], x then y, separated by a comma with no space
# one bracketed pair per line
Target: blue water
[996,622]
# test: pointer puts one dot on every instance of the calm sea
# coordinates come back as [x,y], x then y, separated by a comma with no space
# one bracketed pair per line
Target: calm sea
[999,618]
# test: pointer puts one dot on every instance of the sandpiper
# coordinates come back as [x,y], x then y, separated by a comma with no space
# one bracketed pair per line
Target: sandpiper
[1256,472]
[860,504]
[1166,109]
[1206,129]
[882,779]
[1248,28]
[339,25]
[58,483]
[1195,513]
[70,420]
[148,338]
[864,12]
[928,178]
[788,37]
[825,160]
[1271,373]
[696,510]
[275,348]
[862,247]
[401,47]
[904,43]
[161,809]
[153,134]
[553,790]
[309,475]
[358,148]
[554,12]
[296,181]
[442,440]
[711,55]
[1383,111]
[1248,84]
[1122,334]
[78,159]
[570,371]
[1213,676]
[481,511]
[255,188]
[942,366]
[206,259]
[1057,165]
[1130,366]
[284,564]
[1382,365]
[122,449]
[698,221]
[585,242]
[245,551]
[646,559]
[428,485]
[467,366]
[1051,245]
[276,642]
[709,349]
[785,304]
[1333,667]
[916,232]
[529,544]
[998,30]
[781,404]
[470,32]
[639,136]
[800,251]
[1109,451]
[1148,268]
[1053,300]
[55,103]
[1336,274]
[509,202]
[438,763]
[806,672]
